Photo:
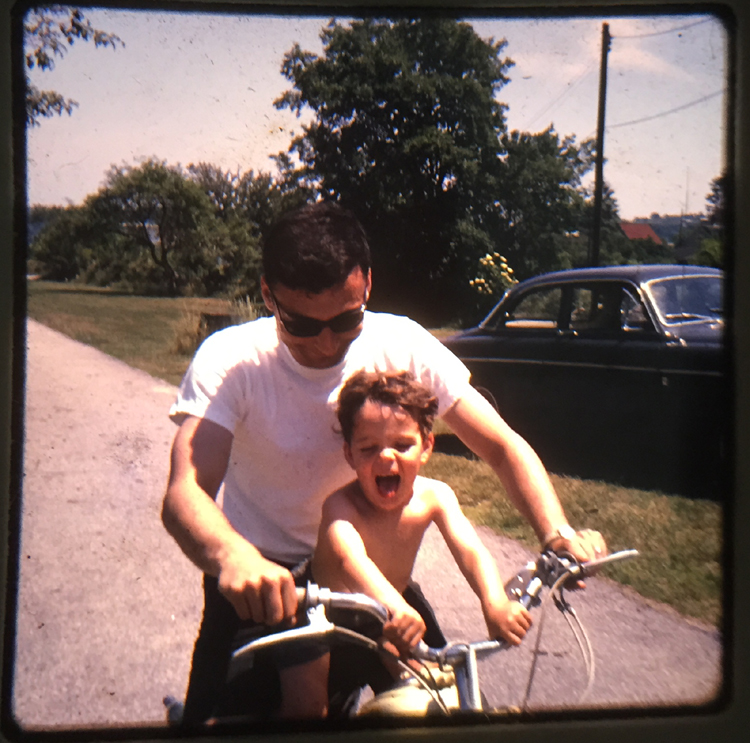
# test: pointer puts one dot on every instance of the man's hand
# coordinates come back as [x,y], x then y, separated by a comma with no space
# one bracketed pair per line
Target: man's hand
[257,588]
[584,546]
[405,628]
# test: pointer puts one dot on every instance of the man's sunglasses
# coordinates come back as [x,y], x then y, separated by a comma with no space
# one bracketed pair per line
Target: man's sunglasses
[301,326]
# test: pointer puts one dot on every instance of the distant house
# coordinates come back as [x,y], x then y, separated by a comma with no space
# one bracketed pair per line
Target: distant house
[640,231]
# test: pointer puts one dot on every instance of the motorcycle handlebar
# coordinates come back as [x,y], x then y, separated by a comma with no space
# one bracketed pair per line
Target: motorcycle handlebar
[546,571]
[548,568]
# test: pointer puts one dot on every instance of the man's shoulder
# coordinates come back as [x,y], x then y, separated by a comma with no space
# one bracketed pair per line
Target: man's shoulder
[385,320]
[396,335]
[238,343]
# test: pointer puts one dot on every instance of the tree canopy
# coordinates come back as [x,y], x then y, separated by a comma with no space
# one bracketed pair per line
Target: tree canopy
[539,198]
[255,200]
[150,229]
[48,32]
[410,134]
[408,131]
[712,234]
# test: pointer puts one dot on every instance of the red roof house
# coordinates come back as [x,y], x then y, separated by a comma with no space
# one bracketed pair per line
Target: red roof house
[639,231]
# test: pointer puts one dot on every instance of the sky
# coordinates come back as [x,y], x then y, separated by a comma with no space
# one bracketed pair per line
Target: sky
[191,87]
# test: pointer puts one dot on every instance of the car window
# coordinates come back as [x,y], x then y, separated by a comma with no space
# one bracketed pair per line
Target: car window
[633,313]
[596,308]
[539,310]
[688,298]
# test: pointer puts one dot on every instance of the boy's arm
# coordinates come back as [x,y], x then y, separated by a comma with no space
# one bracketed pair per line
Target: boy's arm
[504,618]
[341,563]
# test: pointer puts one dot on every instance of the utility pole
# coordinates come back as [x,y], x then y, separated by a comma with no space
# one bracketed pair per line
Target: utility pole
[596,230]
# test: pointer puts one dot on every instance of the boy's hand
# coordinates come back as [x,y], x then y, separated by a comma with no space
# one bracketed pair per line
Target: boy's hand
[404,629]
[509,621]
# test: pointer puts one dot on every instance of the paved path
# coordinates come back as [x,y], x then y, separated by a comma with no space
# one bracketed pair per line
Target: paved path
[109,606]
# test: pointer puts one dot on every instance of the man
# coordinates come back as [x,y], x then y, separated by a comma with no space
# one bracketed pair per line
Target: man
[256,412]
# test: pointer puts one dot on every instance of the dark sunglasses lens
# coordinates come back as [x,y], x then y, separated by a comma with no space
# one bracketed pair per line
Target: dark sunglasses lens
[303,327]
[308,327]
[346,322]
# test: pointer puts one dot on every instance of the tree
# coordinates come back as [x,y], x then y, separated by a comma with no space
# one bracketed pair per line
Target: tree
[409,134]
[406,135]
[717,201]
[150,229]
[48,32]
[55,251]
[711,247]
[540,200]
[157,209]
[255,200]
[710,253]
[170,221]
[39,216]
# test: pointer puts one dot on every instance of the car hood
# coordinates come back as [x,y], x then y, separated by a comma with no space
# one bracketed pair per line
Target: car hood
[464,334]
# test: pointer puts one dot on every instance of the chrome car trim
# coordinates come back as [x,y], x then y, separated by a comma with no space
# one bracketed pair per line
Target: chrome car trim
[536,362]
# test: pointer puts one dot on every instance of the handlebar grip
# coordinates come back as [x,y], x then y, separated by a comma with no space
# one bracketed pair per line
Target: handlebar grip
[314,595]
[587,567]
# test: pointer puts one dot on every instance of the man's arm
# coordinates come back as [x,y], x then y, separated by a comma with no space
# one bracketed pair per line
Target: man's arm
[257,588]
[521,471]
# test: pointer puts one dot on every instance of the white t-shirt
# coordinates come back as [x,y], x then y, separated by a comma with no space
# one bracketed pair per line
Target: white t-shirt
[287,454]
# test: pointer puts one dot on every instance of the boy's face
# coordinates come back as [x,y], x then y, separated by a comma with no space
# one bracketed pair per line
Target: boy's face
[386,451]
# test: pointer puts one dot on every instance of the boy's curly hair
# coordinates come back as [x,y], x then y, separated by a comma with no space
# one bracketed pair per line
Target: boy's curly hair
[388,388]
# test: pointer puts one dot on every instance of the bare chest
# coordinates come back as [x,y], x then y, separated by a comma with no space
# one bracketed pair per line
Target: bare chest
[393,546]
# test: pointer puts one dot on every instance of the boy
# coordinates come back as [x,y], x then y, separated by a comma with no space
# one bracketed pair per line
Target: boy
[371,528]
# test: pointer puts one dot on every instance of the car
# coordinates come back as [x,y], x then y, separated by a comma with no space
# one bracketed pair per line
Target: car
[618,373]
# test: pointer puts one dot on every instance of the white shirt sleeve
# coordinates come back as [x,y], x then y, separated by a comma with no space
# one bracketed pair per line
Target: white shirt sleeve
[212,387]
[441,371]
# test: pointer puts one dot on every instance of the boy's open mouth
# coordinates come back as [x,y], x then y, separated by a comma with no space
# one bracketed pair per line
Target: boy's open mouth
[387,484]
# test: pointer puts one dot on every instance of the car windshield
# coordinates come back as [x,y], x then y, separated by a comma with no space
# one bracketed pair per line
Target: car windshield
[688,298]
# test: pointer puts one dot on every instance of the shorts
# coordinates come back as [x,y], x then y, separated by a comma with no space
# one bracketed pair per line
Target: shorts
[257,692]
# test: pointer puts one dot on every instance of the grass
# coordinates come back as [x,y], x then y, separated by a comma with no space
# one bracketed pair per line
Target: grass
[156,334]
[679,539]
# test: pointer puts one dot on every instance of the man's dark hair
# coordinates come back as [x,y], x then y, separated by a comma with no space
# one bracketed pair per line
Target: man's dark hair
[314,248]
[388,388]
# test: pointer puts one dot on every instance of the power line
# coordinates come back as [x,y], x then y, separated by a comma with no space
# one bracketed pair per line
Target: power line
[671,110]
[567,90]
[661,33]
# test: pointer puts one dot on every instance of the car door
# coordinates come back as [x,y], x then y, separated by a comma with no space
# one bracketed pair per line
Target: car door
[512,360]
[613,359]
